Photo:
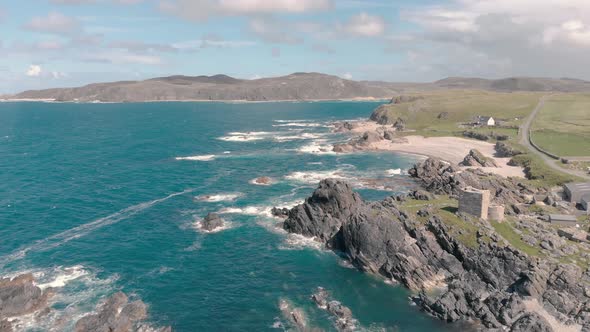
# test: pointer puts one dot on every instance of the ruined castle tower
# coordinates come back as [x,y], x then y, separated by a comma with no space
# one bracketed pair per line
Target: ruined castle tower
[475,202]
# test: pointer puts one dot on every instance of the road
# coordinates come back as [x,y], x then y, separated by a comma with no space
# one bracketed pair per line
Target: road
[525,141]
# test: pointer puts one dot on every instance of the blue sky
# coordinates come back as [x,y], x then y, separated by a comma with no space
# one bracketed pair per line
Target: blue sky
[55,43]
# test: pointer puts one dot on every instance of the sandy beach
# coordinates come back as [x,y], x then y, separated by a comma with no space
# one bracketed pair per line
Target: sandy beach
[450,149]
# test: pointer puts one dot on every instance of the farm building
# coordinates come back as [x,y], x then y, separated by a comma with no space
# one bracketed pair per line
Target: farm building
[485,121]
[576,191]
[563,219]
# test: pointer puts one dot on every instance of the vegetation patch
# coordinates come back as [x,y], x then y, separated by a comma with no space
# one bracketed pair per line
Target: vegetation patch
[514,238]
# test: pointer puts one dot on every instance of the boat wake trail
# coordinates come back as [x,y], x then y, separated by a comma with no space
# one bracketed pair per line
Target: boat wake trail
[85,229]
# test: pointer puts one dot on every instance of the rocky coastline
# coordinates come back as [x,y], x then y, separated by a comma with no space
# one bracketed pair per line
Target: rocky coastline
[459,268]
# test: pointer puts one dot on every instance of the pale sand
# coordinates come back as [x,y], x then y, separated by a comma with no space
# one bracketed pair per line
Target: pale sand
[450,149]
[533,305]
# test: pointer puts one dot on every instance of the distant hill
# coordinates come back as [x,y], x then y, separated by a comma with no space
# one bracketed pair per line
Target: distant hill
[297,86]
[516,84]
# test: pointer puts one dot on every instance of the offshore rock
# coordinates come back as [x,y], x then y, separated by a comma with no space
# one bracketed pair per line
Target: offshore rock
[19,296]
[117,314]
[344,321]
[212,221]
[487,281]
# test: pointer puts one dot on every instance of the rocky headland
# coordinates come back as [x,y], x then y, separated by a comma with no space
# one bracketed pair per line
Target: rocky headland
[460,268]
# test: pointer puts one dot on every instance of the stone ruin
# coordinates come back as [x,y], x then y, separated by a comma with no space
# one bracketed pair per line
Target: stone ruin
[475,202]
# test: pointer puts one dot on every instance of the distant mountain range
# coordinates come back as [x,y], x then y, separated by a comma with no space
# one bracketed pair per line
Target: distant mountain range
[297,86]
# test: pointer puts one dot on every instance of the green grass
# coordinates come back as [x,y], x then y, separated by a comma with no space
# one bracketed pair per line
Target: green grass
[462,106]
[508,233]
[445,207]
[562,127]
[541,174]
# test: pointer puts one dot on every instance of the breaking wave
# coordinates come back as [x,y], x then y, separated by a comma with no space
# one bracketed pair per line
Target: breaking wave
[219,197]
[207,157]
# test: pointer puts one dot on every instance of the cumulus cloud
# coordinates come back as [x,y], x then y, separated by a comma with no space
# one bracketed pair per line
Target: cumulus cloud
[33,71]
[55,23]
[496,38]
[203,9]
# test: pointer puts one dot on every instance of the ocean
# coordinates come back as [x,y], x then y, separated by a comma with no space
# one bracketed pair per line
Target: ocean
[97,198]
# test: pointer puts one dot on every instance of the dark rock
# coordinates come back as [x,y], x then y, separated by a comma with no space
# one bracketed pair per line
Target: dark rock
[5,326]
[476,135]
[344,320]
[488,282]
[211,222]
[322,214]
[443,116]
[115,315]
[389,135]
[370,137]
[421,195]
[476,158]
[400,124]
[531,322]
[280,212]
[19,296]
[343,148]
[343,127]
[504,150]
[263,180]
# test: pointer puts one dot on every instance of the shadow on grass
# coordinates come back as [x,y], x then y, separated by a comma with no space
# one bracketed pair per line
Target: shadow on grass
[450,209]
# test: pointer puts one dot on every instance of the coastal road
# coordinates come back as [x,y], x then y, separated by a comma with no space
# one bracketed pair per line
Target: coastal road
[525,140]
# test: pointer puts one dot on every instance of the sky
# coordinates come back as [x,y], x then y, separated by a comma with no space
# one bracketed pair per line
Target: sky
[61,43]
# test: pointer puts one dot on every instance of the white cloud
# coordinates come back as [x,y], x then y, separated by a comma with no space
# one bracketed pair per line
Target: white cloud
[347,76]
[55,23]
[33,71]
[496,38]
[203,9]
[58,75]
[365,25]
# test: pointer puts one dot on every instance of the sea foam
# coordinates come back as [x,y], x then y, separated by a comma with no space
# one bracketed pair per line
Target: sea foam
[207,157]
[219,197]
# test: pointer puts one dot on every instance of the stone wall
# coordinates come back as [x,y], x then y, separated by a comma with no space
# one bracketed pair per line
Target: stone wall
[474,202]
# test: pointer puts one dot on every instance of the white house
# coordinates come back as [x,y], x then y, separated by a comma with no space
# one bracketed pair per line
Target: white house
[486,121]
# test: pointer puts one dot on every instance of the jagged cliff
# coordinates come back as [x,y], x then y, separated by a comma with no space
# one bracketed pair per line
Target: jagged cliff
[486,281]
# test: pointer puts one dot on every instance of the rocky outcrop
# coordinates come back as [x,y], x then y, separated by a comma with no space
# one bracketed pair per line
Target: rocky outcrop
[262,181]
[476,158]
[439,177]
[321,215]
[476,135]
[116,314]
[211,222]
[486,281]
[367,139]
[343,319]
[294,316]
[405,99]
[504,150]
[20,296]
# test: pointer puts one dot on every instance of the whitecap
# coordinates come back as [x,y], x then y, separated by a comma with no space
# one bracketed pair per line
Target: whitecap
[298,242]
[199,227]
[219,197]
[393,172]
[300,124]
[319,147]
[64,276]
[314,177]
[207,157]
[248,136]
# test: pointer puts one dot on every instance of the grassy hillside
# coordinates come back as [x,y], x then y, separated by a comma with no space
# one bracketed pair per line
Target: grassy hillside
[562,127]
[439,113]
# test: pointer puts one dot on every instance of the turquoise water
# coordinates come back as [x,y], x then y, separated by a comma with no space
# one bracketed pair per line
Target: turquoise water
[101,197]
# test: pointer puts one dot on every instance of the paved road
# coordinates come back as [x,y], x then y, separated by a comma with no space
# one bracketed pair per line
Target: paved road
[525,140]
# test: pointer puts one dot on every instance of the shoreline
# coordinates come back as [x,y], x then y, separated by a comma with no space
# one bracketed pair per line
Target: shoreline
[232,101]
[447,148]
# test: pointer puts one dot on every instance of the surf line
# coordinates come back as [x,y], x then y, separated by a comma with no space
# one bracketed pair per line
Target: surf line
[85,229]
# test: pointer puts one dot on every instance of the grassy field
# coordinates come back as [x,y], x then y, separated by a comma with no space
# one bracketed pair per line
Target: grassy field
[562,127]
[439,113]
